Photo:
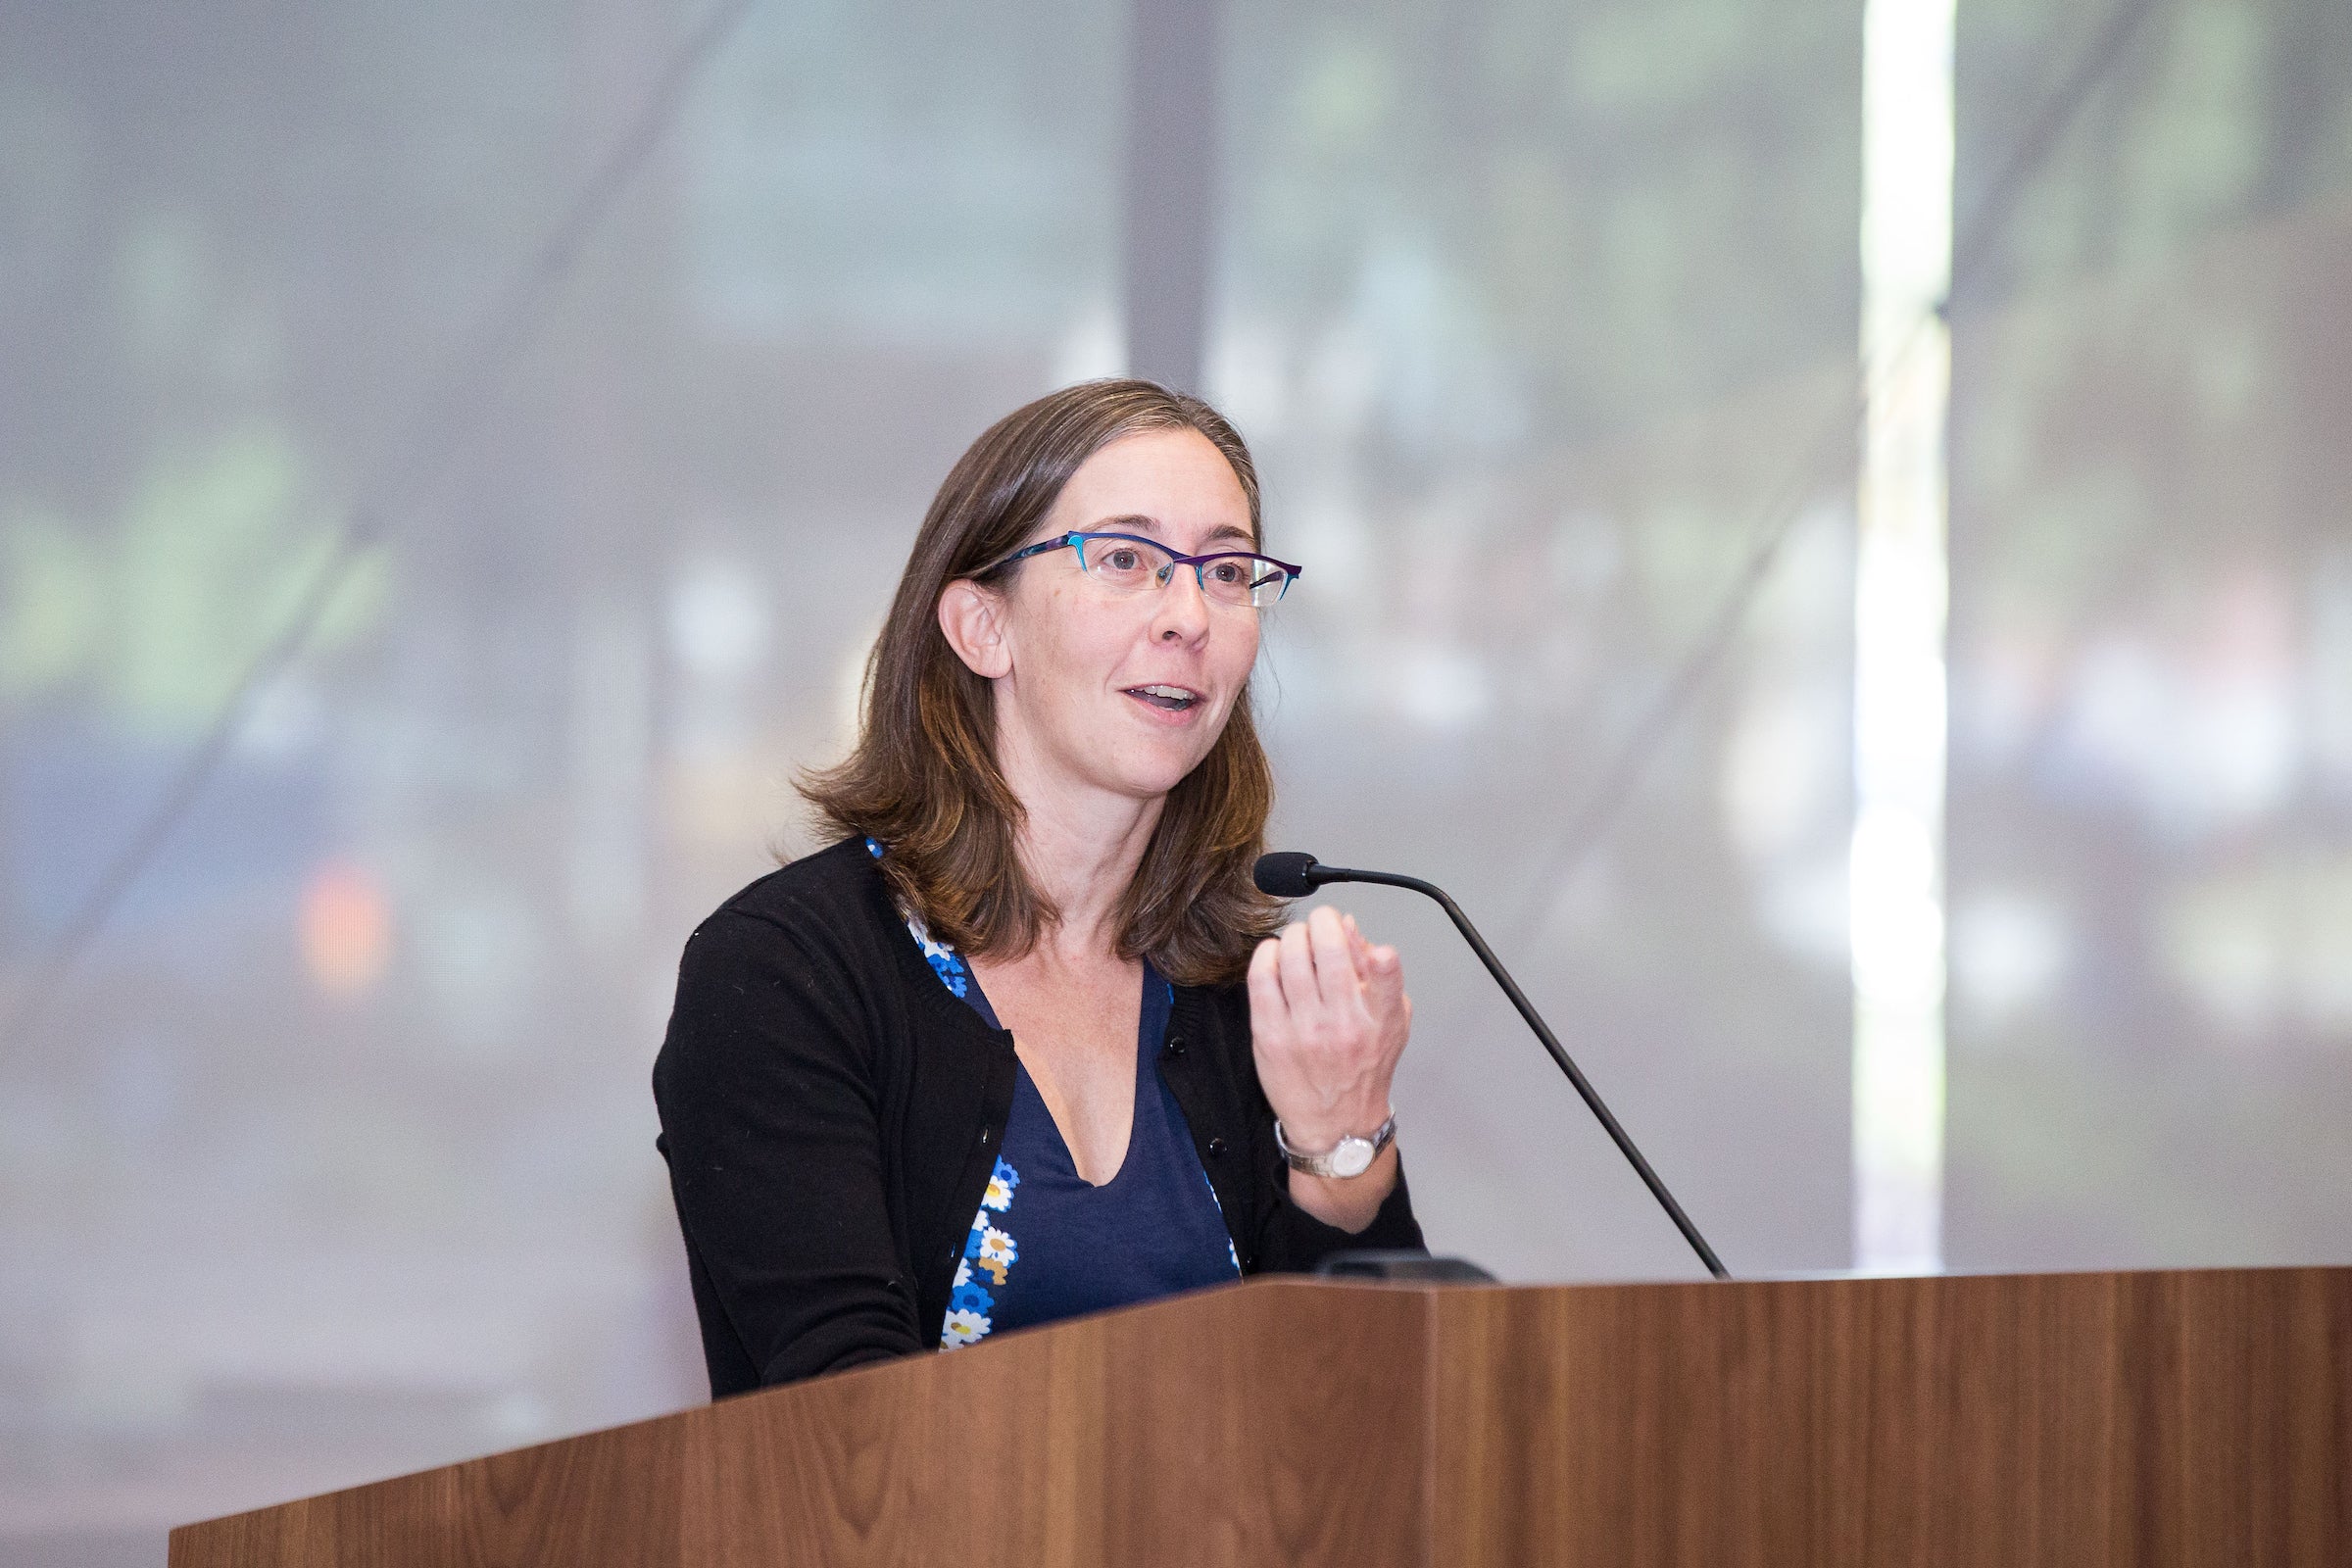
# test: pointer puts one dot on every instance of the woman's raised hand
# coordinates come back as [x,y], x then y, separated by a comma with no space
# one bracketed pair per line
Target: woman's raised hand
[1328,1019]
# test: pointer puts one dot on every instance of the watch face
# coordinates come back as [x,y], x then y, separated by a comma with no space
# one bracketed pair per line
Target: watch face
[1352,1157]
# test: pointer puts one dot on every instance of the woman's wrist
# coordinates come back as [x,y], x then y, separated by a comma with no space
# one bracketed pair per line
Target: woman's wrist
[1320,1132]
[1348,1204]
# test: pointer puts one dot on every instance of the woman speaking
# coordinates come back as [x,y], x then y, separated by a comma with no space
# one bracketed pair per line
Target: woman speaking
[1026,1042]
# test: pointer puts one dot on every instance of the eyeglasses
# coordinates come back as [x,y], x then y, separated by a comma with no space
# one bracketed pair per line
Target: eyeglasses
[1129,563]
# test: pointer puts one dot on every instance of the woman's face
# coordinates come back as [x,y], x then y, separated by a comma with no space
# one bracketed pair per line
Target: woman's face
[1122,692]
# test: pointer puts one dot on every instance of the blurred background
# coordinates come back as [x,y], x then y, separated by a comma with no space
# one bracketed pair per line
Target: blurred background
[599,357]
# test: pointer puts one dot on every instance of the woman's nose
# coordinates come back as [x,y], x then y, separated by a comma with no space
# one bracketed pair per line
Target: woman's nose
[1183,607]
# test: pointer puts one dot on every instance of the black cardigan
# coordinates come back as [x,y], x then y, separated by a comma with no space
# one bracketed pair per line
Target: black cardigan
[830,1114]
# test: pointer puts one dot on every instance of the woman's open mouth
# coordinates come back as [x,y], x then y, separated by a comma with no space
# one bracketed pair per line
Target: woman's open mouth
[1169,699]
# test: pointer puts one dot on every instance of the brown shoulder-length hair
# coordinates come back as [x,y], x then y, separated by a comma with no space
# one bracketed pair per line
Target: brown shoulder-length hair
[923,778]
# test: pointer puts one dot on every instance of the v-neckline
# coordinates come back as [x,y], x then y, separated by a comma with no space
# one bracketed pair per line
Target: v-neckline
[1062,1140]
[1135,1104]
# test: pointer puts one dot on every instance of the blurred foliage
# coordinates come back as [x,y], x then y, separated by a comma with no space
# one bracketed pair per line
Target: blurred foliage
[2150,505]
[1591,215]
[2133,346]
[956,208]
[153,620]
[2217,114]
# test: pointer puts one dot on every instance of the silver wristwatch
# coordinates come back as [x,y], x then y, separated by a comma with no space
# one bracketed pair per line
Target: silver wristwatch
[1349,1156]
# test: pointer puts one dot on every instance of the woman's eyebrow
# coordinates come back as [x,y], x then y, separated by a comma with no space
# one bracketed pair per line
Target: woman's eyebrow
[1134,522]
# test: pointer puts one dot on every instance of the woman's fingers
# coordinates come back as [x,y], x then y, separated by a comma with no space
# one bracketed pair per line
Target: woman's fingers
[1335,965]
[1266,985]
[1321,982]
[1297,968]
[1384,978]
[1329,1018]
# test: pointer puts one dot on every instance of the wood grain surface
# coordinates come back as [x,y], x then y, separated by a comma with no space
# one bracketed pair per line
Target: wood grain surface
[2085,1419]
[1269,1423]
[2192,1418]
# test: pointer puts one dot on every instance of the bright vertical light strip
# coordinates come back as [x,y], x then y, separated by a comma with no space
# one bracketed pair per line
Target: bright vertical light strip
[1896,865]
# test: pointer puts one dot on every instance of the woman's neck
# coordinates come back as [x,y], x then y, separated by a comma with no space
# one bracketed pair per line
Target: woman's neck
[1080,845]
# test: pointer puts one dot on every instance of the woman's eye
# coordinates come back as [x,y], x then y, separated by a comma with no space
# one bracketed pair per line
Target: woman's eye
[1123,560]
[1230,571]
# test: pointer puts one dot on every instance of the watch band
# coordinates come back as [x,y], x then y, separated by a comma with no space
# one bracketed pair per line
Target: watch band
[1349,1156]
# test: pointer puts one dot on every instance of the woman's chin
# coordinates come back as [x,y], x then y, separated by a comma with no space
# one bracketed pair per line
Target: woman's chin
[1158,750]
[1147,776]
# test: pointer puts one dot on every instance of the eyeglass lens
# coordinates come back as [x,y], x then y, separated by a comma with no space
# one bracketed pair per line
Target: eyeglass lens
[1131,565]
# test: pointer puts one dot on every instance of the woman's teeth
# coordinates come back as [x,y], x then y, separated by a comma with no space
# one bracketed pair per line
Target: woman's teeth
[1169,697]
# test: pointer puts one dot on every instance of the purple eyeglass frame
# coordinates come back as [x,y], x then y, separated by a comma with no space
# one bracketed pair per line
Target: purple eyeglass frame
[1074,541]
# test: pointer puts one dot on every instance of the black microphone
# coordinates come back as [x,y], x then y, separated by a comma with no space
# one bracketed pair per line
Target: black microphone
[1292,874]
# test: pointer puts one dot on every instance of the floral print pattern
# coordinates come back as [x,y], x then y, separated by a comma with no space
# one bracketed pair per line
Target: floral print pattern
[988,1250]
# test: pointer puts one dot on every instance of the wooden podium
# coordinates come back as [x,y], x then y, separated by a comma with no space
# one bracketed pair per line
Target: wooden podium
[2198,1418]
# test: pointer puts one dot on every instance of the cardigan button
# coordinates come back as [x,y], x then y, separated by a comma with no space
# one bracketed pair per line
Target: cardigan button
[1216,1146]
[1175,1045]
[984,1134]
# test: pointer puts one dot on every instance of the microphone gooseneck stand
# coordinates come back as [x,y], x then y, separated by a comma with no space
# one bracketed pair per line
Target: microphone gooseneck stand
[1294,874]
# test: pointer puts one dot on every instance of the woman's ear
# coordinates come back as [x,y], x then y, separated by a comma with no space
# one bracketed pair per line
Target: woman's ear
[972,619]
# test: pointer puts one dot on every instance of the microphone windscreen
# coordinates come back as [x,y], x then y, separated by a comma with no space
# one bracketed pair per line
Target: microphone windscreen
[1284,874]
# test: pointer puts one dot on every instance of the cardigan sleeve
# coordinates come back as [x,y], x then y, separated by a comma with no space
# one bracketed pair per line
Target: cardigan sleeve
[770,1126]
[1291,1241]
